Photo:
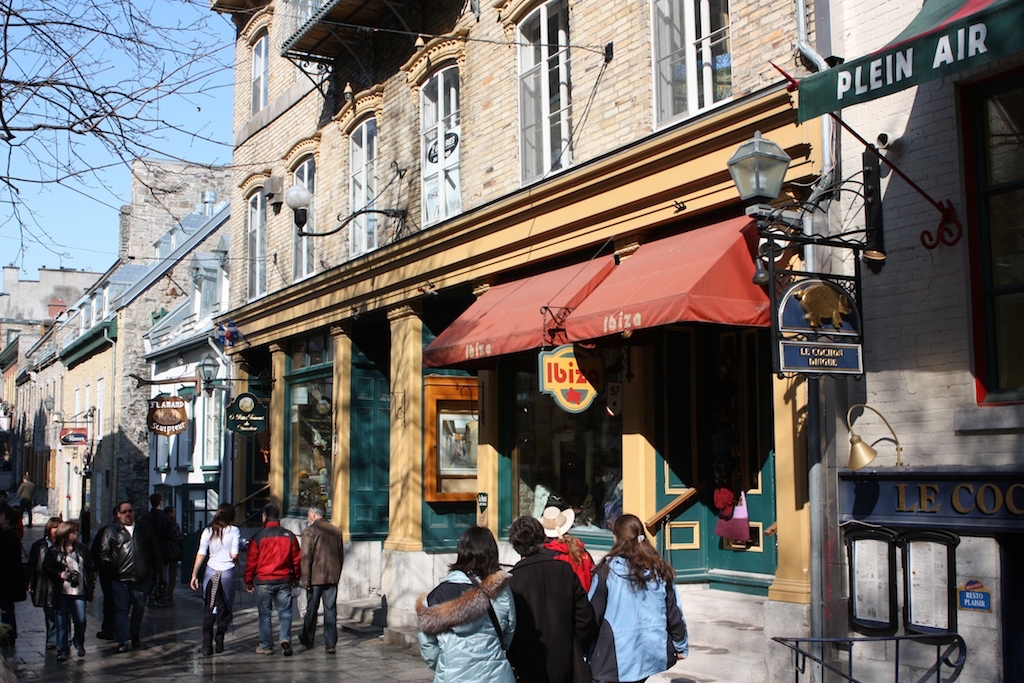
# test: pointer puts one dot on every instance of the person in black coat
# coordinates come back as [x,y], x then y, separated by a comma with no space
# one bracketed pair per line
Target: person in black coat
[556,621]
[39,585]
[129,550]
[12,575]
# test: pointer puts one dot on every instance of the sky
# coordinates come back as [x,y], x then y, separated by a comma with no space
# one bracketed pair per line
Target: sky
[80,226]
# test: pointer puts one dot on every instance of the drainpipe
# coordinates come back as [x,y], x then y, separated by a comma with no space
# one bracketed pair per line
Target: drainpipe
[113,395]
[815,474]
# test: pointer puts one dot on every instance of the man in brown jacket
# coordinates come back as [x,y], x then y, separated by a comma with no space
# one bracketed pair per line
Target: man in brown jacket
[323,554]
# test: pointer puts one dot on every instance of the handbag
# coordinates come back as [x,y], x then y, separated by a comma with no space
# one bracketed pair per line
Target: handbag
[737,527]
[497,626]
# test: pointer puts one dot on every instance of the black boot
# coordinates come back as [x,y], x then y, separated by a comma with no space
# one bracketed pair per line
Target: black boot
[220,641]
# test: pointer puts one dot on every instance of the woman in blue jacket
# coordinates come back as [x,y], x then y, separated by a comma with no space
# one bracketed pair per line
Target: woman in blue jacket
[642,630]
[458,638]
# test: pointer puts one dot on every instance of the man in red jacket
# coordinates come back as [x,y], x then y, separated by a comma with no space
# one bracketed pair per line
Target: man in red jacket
[272,569]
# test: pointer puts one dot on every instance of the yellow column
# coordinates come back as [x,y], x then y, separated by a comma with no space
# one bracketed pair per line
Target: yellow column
[487,449]
[638,453]
[277,425]
[792,576]
[406,498]
[341,443]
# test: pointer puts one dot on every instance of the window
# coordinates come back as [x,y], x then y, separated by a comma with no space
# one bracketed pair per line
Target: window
[304,256]
[363,185]
[693,66]
[206,284]
[213,431]
[260,73]
[310,436]
[257,244]
[997,126]
[544,90]
[441,146]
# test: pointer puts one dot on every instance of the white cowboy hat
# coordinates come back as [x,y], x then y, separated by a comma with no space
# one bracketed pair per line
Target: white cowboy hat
[557,522]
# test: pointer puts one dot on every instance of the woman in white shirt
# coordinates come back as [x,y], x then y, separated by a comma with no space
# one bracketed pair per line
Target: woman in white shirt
[218,542]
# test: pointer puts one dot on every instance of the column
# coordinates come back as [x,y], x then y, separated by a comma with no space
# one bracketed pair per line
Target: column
[406,467]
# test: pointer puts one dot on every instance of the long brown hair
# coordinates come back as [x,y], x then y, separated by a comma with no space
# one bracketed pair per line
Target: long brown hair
[224,518]
[632,545]
[64,530]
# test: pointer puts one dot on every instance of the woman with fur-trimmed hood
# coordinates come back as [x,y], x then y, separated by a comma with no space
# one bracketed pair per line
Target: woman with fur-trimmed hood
[457,637]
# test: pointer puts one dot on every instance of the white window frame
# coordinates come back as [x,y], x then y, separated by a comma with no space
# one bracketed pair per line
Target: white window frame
[260,73]
[206,285]
[213,431]
[685,44]
[363,186]
[540,63]
[304,247]
[440,145]
[256,252]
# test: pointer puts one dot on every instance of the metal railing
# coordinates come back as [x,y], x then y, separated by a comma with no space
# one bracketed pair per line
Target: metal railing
[950,651]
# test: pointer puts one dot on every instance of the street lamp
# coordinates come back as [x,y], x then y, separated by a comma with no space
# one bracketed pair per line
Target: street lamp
[862,454]
[207,370]
[298,198]
[48,404]
[758,168]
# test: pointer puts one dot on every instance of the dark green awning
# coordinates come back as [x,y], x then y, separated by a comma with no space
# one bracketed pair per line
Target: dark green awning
[944,37]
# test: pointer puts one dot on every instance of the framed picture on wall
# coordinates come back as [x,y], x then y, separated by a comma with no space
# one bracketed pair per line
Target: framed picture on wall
[452,438]
[457,438]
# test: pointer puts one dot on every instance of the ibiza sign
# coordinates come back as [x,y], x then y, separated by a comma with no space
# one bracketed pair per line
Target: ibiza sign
[571,377]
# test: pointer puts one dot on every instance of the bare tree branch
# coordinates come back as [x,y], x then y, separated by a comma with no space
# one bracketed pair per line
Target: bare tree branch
[85,86]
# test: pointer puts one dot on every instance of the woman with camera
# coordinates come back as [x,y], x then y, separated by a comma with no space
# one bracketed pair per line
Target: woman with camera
[69,565]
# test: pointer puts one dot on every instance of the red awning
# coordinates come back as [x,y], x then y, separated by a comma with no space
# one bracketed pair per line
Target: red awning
[516,316]
[699,276]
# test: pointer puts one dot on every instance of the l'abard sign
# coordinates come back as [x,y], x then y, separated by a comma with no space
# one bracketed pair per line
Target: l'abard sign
[167,416]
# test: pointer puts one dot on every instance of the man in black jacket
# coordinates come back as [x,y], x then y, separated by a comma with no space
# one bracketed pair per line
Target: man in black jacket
[163,529]
[129,551]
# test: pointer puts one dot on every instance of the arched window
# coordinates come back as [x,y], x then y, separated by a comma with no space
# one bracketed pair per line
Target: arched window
[441,146]
[260,72]
[545,90]
[363,185]
[257,244]
[304,251]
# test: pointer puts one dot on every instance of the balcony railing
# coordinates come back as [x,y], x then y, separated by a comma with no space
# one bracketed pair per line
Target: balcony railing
[318,30]
[950,651]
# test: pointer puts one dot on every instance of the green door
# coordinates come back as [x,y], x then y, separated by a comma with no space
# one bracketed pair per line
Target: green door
[371,446]
[715,416]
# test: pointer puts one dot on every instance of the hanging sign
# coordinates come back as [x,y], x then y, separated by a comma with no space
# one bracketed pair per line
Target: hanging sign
[571,377]
[246,415]
[812,314]
[74,436]
[167,416]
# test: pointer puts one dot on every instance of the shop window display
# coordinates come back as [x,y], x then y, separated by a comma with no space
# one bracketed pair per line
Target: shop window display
[569,460]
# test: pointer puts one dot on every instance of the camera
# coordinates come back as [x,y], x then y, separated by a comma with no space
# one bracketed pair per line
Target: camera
[74,578]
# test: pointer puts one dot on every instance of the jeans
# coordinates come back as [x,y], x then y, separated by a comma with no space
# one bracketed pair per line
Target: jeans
[50,616]
[107,626]
[329,595]
[270,596]
[70,608]
[129,606]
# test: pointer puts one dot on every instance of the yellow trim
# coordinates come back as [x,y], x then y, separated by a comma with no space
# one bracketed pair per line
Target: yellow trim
[695,529]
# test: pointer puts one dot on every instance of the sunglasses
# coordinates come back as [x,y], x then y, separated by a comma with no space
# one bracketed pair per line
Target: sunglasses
[125,512]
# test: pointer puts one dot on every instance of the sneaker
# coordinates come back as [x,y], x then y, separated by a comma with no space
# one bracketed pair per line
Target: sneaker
[219,642]
[81,651]
[265,650]
[103,635]
[207,651]
[51,646]
[330,649]
[306,641]
[124,647]
[62,657]
[287,648]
